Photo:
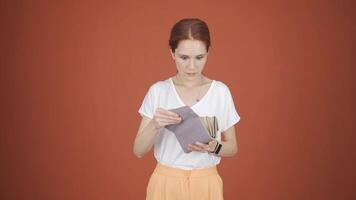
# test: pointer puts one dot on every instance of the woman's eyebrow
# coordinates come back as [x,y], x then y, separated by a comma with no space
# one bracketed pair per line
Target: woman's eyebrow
[182,54]
[189,56]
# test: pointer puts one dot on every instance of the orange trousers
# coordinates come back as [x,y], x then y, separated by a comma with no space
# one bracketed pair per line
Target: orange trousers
[167,183]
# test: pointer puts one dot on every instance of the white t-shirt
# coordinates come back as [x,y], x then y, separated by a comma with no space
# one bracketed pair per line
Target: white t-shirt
[216,102]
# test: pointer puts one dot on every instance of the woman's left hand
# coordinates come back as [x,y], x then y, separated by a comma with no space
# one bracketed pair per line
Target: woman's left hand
[200,147]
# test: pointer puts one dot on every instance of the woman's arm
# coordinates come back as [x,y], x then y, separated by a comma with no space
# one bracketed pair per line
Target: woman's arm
[149,128]
[229,143]
[145,137]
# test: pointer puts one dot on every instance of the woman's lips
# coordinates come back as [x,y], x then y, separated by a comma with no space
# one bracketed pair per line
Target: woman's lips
[191,74]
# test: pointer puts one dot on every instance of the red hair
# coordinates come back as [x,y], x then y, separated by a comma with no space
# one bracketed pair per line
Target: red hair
[189,28]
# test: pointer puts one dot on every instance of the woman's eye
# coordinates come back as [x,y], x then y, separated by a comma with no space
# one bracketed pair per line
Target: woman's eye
[184,57]
[200,57]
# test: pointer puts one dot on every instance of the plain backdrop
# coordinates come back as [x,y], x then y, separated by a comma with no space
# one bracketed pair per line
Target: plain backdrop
[74,74]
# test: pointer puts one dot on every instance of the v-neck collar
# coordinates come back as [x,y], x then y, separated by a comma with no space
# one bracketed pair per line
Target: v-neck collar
[182,102]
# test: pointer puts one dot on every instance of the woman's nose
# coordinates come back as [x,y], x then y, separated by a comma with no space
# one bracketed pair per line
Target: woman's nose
[191,65]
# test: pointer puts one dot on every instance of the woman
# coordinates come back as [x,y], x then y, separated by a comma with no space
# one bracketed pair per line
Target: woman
[193,175]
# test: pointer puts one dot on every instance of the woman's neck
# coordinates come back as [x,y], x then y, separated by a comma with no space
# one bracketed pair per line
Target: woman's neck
[198,81]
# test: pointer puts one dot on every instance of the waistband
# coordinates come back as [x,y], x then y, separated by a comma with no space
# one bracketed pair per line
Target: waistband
[170,171]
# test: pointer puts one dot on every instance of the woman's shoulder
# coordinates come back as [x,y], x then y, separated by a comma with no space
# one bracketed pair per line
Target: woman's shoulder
[160,85]
[221,86]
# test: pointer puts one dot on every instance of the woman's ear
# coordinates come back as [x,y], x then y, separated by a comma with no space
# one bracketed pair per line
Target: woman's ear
[172,54]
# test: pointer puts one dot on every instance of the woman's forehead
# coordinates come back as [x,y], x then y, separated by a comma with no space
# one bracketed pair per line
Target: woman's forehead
[191,47]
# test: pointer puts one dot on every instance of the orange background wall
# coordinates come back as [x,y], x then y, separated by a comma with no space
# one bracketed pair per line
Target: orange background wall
[74,73]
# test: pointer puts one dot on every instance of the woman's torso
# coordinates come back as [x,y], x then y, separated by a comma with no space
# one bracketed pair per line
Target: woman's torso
[167,149]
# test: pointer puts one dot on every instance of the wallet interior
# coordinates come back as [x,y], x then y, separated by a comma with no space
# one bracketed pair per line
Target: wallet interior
[211,125]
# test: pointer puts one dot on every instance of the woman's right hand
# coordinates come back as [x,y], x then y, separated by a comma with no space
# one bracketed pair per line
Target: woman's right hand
[164,117]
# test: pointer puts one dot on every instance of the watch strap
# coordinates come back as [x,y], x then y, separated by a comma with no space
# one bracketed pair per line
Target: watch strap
[218,148]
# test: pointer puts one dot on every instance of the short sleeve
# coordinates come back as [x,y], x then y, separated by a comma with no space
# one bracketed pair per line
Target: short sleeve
[148,103]
[229,115]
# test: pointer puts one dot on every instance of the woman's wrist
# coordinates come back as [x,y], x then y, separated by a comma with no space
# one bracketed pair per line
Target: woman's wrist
[214,146]
[155,125]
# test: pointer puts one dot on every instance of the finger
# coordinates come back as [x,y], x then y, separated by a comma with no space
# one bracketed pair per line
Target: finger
[168,113]
[163,116]
[195,148]
[167,120]
[164,119]
[201,144]
[192,147]
[164,122]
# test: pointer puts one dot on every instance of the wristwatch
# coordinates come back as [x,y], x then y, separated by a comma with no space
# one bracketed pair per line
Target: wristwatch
[218,149]
[214,144]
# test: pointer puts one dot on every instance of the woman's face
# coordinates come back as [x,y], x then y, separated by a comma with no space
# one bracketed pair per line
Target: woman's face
[190,57]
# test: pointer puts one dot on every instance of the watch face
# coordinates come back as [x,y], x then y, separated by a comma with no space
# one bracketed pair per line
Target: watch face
[218,149]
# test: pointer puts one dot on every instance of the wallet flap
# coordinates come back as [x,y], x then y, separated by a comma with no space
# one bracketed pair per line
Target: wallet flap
[190,129]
